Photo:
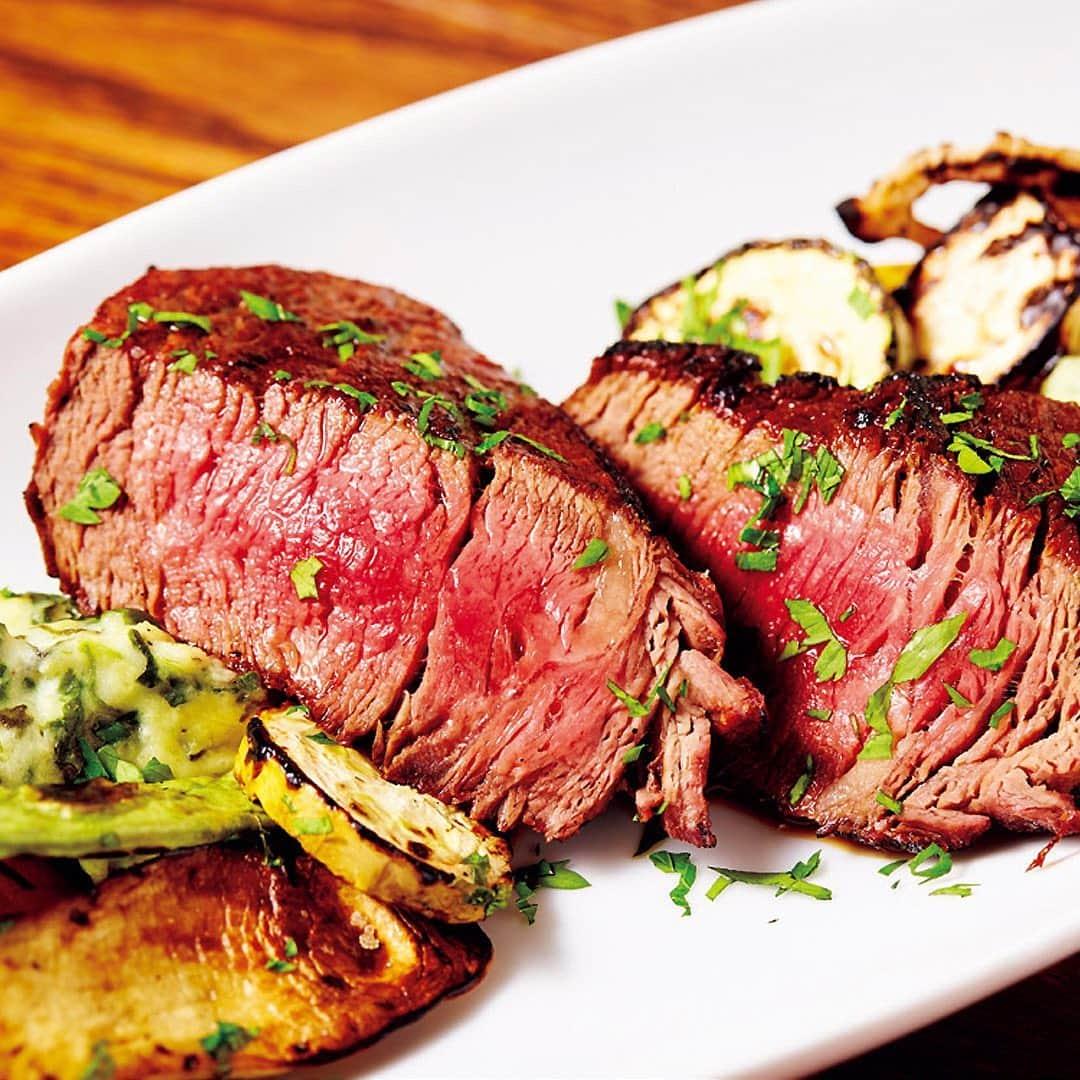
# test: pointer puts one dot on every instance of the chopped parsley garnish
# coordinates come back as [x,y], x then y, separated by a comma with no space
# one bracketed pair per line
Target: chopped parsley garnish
[1001,712]
[650,433]
[931,863]
[680,863]
[956,417]
[632,755]
[101,1065]
[266,309]
[819,714]
[186,361]
[793,880]
[634,707]
[345,336]
[97,491]
[686,487]
[895,416]
[281,376]
[137,313]
[365,399]
[265,433]
[925,647]
[1070,440]
[596,551]
[972,400]
[623,311]
[831,664]
[283,967]
[978,457]
[1069,491]
[756,560]
[313,826]
[891,867]
[543,875]
[484,404]
[798,789]
[956,697]
[320,737]
[894,806]
[227,1039]
[861,302]
[154,771]
[959,889]
[729,329]
[183,318]
[489,442]
[993,659]
[425,365]
[303,577]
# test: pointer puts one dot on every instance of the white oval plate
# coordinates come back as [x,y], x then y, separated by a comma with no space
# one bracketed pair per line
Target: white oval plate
[522,205]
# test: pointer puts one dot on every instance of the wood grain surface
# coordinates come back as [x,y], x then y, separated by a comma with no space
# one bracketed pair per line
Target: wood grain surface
[108,106]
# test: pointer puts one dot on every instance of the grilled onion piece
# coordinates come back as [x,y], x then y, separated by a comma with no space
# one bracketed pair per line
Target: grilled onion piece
[212,963]
[994,290]
[401,846]
[103,818]
[800,305]
[887,209]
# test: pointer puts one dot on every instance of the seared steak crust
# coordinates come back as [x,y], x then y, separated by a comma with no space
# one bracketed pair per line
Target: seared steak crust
[908,540]
[449,618]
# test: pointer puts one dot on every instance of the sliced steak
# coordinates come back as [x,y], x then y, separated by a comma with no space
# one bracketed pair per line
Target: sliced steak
[325,483]
[892,511]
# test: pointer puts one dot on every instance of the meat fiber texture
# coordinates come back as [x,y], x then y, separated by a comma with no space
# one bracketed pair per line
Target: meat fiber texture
[332,488]
[908,540]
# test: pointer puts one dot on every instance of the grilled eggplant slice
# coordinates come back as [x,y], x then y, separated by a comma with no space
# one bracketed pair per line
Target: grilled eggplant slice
[103,818]
[990,297]
[800,305]
[113,694]
[396,843]
[888,208]
[212,963]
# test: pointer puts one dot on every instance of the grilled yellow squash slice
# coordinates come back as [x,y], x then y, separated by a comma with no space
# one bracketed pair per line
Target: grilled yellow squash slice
[387,839]
[214,963]
[799,305]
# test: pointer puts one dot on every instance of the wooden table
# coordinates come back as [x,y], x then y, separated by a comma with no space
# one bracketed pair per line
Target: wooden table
[107,106]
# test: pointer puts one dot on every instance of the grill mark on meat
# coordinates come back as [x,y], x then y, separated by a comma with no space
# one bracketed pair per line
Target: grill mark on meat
[911,540]
[449,622]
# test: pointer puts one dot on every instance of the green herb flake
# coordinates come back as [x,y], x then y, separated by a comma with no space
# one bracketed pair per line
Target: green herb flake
[931,863]
[316,826]
[186,361]
[799,788]
[345,336]
[425,365]
[596,551]
[632,755]
[764,561]
[680,863]
[101,1065]
[265,433]
[959,889]
[303,577]
[266,309]
[793,880]
[993,659]
[623,312]
[896,415]
[545,450]
[891,867]
[894,806]
[281,376]
[956,417]
[1000,713]
[819,714]
[227,1039]
[321,738]
[685,486]
[183,318]
[831,664]
[956,697]
[97,490]
[154,771]
[861,302]
[650,433]
[925,647]
[634,707]
[1070,440]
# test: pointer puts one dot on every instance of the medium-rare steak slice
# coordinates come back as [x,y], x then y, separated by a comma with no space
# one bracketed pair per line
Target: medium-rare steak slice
[904,564]
[320,479]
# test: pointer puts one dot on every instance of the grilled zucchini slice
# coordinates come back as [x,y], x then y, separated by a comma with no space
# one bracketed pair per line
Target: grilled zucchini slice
[799,305]
[214,963]
[396,843]
[989,298]
[111,695]
[1063,382]
[103,818]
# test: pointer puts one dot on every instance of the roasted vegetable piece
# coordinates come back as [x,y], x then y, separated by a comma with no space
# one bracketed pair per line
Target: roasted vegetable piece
[888,208]
[390,840]
[990,296]
[799,305]
[103,818]
[111,695]
[214,963]
[1063,382]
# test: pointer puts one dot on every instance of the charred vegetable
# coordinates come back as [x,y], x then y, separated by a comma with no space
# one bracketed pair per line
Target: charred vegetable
[113,695]
[888,208]
[799,305]
[103,818]
[401,846]
[990,296]
[215,963]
